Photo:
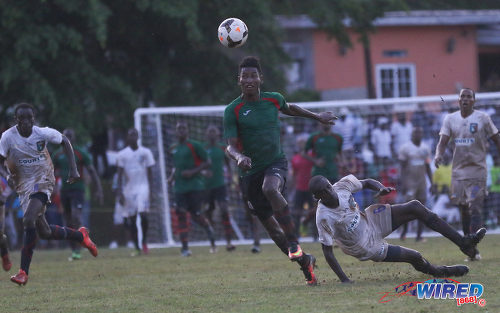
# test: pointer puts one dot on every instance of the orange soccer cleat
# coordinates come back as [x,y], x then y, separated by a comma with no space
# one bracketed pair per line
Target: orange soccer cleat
[87,242]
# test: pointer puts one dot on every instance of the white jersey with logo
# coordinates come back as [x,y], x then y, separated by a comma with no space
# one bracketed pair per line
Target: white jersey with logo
[417,157]
[348,226]
[136,189]
[470,136]
[29,161]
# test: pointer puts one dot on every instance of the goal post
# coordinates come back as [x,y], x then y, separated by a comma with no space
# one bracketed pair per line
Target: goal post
[156,126]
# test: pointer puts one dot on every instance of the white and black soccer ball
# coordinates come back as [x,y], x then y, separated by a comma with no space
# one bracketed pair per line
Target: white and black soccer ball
[233,32]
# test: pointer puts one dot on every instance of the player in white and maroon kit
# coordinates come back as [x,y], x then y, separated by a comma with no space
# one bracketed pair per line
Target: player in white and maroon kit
[135,165]
[361,234]
[24,147]
[415,158]
[470,130]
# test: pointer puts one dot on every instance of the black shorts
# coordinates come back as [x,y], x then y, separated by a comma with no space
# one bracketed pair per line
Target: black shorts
[216,194]
[42,196]
[190,201]
[301,198]
[251,186]
[72,200]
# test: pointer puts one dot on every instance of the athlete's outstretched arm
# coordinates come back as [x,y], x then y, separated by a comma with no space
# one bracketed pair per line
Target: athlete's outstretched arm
[441,147]
[375,185]
[323,117]
[244,162]
[334,264]
[70,154]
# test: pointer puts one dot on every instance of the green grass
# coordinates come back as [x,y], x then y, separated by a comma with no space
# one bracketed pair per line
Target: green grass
[234,282]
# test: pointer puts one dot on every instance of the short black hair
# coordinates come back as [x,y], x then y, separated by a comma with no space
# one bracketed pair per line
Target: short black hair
[316,183]
[250,61]
[467,88]
[24,105]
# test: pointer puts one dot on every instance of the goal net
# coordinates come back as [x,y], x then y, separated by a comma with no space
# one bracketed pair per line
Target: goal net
[358,120]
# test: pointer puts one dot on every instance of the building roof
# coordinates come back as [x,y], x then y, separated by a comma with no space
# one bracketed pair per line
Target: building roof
[410,18]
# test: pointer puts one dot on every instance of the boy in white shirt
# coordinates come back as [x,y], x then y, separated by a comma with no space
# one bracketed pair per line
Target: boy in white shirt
[361,234]
[24,147]
[135,165]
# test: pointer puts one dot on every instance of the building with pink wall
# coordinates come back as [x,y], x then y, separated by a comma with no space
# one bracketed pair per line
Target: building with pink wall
[412,54]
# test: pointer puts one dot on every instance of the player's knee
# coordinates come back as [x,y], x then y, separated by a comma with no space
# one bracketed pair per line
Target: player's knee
[44,233]
[270,191]
[416,204]
[29,221]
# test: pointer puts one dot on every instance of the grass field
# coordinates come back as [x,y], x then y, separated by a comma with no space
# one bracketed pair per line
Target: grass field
[234,282]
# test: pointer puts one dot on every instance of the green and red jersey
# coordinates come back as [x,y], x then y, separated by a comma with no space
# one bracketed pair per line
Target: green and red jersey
[256,125]
[188,155]
[217,157]
[325,146]
[61,164]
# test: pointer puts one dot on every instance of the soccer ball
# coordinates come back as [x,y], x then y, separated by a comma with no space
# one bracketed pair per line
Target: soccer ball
[233,32]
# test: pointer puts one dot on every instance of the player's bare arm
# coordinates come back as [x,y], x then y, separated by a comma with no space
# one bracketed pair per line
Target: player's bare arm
[375,185]
[334,264]
[119,187]
[191,172]
[319,162]
[244,162]
[440,149]
[93,173]
[496,139]
[70,154]
[323,117]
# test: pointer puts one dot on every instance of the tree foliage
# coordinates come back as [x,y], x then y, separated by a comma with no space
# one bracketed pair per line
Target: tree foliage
[85,63]
[88,63]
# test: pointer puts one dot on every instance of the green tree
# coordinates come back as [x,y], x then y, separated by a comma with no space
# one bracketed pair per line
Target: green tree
[84,63]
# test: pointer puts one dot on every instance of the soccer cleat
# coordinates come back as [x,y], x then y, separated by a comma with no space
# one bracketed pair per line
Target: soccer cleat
[470,242]
[476,257]
[75,256]
[230,248]
[113,245]
[295,251]
[256,249]
[6,264]
[86,242]
[185,252]
[145,248]
[213,250]
[20,278]
[454,270]
[135,253]
[308,270]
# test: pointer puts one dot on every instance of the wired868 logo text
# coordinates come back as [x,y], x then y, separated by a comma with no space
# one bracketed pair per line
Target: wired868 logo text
[442,289]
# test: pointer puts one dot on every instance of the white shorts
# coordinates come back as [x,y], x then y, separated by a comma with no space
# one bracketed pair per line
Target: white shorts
[24,195]
[136,203]
[380,220]
[118,214]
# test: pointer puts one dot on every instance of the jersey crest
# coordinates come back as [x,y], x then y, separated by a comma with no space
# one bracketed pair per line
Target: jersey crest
[473,127]
[40,145]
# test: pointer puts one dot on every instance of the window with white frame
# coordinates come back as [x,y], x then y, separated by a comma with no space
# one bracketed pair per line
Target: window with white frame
[396,80]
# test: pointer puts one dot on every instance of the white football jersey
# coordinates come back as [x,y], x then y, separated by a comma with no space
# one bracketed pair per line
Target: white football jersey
[29,161]
[135,164]
[417,157]
[345,224]
[470,136]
